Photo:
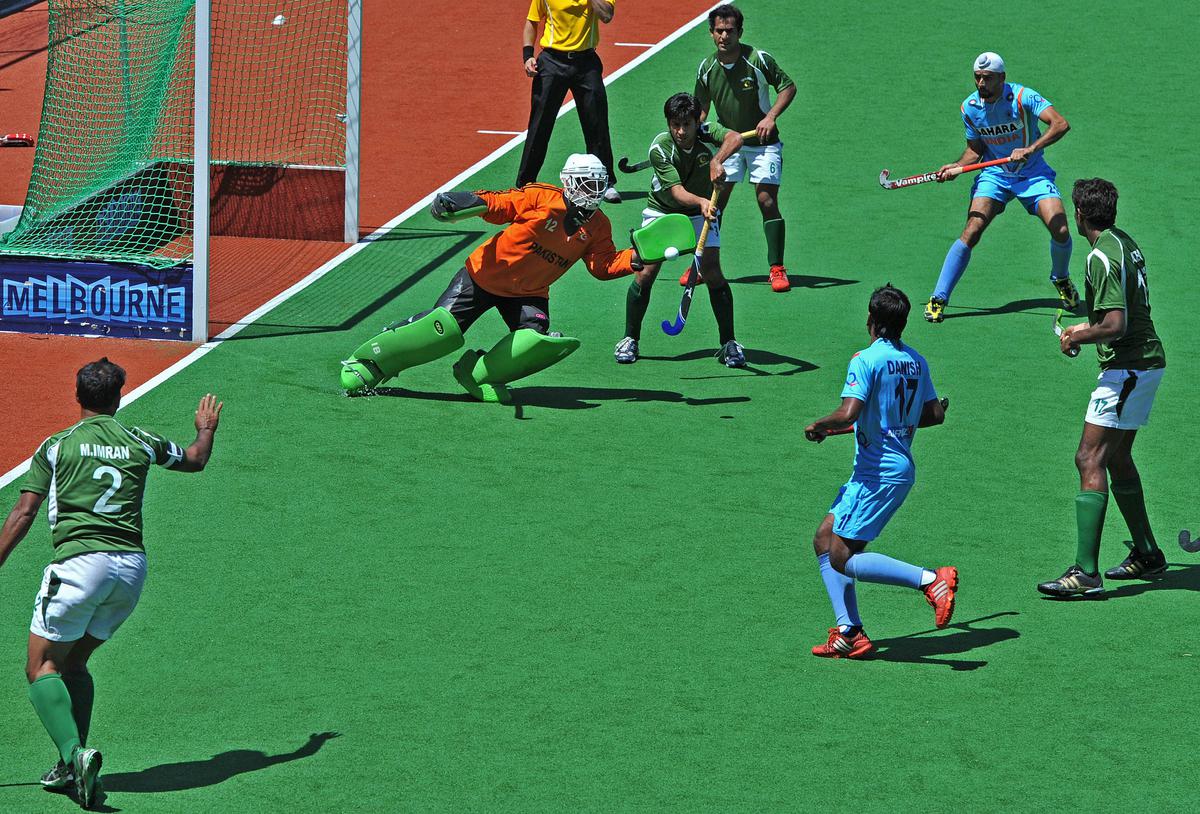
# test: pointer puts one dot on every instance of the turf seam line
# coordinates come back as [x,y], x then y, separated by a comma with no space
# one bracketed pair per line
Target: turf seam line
[261,311]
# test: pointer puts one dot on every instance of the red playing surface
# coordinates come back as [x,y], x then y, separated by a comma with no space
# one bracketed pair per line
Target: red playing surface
[418,131]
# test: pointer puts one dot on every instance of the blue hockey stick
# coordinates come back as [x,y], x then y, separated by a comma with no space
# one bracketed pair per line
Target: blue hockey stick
[675,328]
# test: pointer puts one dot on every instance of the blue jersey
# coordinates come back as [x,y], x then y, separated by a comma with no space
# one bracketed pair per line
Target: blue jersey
[893,384]
[1006,124]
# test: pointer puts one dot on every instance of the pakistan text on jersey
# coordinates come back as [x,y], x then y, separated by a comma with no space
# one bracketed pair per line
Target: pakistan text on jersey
[907,367]
[103,451]
[553,258]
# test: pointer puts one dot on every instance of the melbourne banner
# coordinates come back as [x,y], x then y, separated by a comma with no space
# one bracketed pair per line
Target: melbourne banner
[54,296]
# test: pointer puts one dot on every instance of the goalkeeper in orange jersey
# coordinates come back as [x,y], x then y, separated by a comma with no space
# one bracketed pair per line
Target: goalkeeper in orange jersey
[549,229]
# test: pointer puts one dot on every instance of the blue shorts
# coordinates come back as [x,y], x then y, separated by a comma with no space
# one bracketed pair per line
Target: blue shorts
[862,508]
[1002,187]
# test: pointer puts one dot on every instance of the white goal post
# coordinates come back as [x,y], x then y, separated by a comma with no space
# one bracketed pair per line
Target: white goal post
[201,220]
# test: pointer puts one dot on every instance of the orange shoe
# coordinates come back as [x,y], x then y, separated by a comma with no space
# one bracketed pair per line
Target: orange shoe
[779,280]
[940,594]
[684,277]
[841,646]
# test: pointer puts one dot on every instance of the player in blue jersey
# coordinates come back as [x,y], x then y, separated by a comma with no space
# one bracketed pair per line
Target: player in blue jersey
[887,395]
[1001,120]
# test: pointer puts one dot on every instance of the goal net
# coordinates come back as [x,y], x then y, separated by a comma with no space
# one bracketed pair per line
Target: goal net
[129,110]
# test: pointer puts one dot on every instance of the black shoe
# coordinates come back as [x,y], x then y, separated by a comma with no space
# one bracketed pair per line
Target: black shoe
[732,354]
[935,310]
[1074,582]
[1068,295]
[1138,565]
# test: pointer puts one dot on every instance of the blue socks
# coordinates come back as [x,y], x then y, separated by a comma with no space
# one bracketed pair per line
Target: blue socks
[871,567]
[960,254]
[953,268]
[1060,259]
[841,593]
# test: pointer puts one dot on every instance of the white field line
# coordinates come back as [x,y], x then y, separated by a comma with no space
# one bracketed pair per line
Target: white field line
[501,132]
[133,395]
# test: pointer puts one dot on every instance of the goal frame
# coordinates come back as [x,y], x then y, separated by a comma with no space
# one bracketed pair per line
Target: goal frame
[201,169]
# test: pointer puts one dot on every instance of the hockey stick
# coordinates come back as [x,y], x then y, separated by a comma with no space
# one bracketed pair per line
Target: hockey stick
[1187,543]
[1058,331]
[624,166]
[849,430]
[925,178]
[16,140]
[685,304]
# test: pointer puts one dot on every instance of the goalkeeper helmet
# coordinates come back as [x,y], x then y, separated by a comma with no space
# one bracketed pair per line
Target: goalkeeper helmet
[584,180]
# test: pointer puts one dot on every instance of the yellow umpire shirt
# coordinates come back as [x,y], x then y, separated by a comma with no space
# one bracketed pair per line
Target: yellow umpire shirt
[571,25]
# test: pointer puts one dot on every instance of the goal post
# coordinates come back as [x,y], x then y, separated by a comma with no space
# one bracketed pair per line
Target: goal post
[353,116]
[202,127]
[165,124]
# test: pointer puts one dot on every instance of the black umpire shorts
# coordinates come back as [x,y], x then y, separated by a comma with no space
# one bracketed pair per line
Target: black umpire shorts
[467,302]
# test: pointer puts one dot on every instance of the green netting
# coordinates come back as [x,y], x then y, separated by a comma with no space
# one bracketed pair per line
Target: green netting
[112,177]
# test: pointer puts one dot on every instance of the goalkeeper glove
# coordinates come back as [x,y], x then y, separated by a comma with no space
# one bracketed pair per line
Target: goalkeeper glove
[453,206]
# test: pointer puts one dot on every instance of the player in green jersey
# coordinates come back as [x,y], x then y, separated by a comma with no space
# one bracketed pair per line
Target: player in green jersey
[92,477]
[688,160]
[737,81]
[1131,366]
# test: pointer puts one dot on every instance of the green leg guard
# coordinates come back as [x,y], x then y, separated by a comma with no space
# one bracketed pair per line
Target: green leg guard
[399,347]
[464,369]
[519,354]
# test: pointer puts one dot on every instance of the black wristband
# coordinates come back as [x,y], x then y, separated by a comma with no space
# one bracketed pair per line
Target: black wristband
[526,53]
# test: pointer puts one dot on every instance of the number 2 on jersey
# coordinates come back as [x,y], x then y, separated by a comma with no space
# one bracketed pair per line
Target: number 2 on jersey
[102,505]
[905,402]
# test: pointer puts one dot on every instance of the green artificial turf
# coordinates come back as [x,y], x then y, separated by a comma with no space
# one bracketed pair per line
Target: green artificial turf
[603,598]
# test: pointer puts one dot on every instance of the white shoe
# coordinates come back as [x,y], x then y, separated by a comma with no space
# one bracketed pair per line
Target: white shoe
[60,777]
[85,765]
[612,196]
[626,352]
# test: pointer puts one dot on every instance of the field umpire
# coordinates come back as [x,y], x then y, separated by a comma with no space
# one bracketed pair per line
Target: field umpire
[568,61]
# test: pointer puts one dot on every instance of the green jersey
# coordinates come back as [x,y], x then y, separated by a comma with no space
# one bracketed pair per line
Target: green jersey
[1116,278]
[674,166]
[93,476]
[740,92]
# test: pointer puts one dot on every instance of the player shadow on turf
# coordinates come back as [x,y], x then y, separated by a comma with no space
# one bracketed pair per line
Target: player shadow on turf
[921,648]
[580,398]
[1177,578]
[754,358]
[194,774]
[1048,304]
[797,280]
[463,241]
[567,398]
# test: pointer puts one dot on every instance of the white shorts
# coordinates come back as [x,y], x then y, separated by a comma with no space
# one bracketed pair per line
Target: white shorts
[713,241]
[1123,398]
[765,164]
[90,593]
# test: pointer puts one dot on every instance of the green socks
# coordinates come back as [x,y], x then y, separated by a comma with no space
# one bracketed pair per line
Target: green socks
[83,695]
[722,305]
[1089,518]
[636,303]
[1132,503]
[775,232]
[52,703]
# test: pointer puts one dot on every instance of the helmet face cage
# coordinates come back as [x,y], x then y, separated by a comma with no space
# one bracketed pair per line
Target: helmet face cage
[584,186]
